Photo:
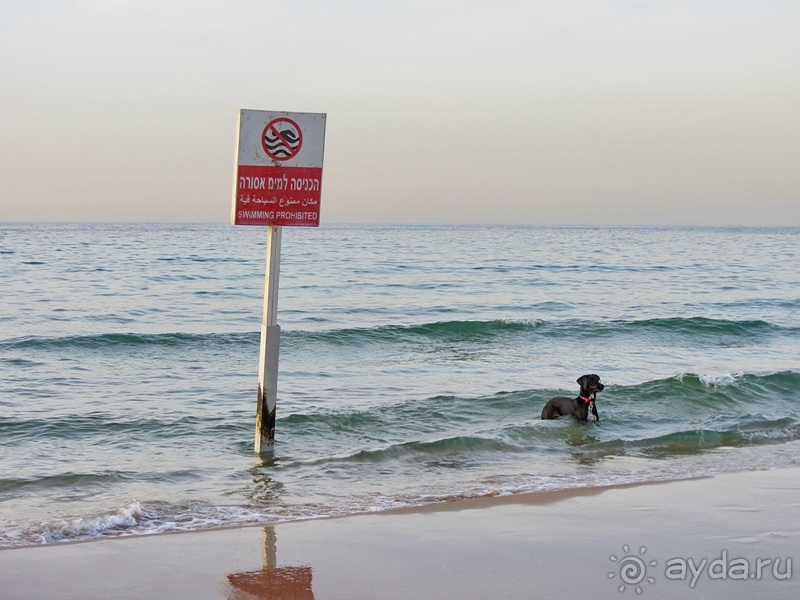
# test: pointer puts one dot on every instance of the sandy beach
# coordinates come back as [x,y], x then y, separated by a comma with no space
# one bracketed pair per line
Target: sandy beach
[730,536]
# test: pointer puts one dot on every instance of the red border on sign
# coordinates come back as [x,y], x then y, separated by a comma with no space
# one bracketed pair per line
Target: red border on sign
[277,195]
[286,144]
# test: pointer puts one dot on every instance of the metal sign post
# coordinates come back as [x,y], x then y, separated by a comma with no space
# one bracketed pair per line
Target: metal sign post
[277,182]
[270,347]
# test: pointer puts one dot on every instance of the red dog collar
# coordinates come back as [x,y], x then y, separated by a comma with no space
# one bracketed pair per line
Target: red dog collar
[587,400]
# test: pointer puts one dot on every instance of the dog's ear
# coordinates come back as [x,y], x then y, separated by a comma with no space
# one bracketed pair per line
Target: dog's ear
[581,381]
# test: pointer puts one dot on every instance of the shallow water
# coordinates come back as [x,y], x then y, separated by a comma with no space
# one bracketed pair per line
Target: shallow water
[414,365]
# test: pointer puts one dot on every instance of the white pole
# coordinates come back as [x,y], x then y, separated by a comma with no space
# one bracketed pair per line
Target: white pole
[270,346]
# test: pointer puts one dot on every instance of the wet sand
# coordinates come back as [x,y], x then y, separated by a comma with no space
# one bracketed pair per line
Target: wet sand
[732,536]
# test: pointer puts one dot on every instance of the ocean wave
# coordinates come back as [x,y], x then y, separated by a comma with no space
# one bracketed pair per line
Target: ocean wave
[135,518]
[658,416]
[741,387]
[503,421]
[76,528]
[700,329]
[382,334]
[422,451]
[64,480]
[693,441]
[457,451]
[102,426]
[108,341]
[746,388]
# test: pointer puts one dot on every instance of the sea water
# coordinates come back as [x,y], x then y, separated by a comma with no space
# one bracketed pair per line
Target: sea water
[414,364]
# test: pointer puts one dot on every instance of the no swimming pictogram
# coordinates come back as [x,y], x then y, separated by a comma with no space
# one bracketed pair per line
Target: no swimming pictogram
[282,139]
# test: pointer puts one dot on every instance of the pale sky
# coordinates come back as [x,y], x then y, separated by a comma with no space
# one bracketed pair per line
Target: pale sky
[616,112]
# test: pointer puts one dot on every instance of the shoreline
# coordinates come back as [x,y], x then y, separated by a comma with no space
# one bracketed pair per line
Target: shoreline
[531,498]
[551,543]
[456,504]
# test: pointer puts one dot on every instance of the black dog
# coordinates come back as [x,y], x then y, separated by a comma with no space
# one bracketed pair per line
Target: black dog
[582,407]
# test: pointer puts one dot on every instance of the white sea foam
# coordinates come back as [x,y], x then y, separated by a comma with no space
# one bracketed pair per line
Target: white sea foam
[75,528]
[137,518]
[721,379]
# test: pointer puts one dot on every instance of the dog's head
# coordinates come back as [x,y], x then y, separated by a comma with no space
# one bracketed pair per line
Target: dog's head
[590,385]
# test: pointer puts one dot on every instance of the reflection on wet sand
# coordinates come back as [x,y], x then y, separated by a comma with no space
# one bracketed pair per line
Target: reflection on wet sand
[271,582]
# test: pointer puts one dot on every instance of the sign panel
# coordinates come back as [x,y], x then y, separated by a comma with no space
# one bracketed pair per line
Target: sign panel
[278,169]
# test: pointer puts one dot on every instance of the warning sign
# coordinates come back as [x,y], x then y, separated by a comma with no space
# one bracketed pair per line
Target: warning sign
[278,170]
